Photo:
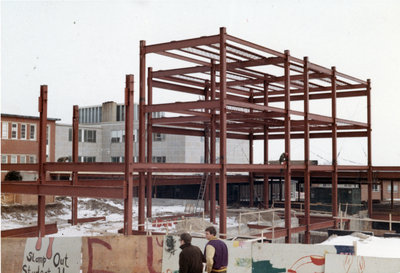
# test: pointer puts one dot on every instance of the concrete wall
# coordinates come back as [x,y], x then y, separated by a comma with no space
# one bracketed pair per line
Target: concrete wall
[64,146]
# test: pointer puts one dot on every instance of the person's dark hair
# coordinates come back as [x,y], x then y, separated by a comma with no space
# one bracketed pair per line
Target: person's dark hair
[186,237]
[212,230]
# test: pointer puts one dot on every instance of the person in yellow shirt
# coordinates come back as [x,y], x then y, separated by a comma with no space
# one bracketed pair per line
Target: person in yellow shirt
[216,253]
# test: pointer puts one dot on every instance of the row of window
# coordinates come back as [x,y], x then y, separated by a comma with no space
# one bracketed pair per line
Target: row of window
[18,159]
[21,131]
[377,188]
[116,159]
[90,115]
[118,136]
[94,114]
[155,159]
[83,159]
[87,136]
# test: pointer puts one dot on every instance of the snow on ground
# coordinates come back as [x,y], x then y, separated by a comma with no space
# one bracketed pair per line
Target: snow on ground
[23,216]
[368,245]
[113,209]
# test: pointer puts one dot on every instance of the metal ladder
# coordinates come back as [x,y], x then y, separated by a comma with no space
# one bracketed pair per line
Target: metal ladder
[202,190]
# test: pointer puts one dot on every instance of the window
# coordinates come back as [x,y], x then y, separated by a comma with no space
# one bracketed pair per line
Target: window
[395,188]
[118,136]
[89,136]
[23,131]
[22,159]
[32,131]
[4,158]
[158,137]
[13,159]
[14,131]
[32,159]
[86,159]
[120,112]
[117,159]
[159,159]
[4,134]
[376,187]
[135,135]
[157,114]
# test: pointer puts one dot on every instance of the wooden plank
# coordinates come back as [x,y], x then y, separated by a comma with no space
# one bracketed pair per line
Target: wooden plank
[12,252]
[121,254]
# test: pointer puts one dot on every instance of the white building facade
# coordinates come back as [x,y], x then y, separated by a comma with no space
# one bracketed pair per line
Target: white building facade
[102,139]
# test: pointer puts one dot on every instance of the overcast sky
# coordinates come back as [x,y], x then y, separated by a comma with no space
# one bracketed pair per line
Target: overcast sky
[82,51]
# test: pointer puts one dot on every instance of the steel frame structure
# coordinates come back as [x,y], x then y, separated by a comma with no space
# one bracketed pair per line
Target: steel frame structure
[240,81]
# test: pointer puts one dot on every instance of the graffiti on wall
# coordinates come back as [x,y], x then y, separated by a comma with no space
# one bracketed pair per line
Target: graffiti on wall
[59,255]
[294,258]
[360,264]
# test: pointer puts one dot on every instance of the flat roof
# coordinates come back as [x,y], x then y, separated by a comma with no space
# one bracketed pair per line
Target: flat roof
[27,117]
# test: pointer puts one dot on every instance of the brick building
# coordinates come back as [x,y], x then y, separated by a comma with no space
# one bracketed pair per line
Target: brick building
[20,144]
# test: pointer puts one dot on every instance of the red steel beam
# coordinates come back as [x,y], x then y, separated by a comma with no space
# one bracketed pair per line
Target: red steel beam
[19,167]
[177,87]
[89,219]
[266,149]
[251,158]
[369,140]
[29,231]
[171,107]
[156,48]
[42,159]
[307,186]
[65,190]
[150,121]
[213,136]
[222,144]
[142,133]
[75,141]
[347,94]
[128,185]
[85,167]
[207,96]
[334,148]
[288,179]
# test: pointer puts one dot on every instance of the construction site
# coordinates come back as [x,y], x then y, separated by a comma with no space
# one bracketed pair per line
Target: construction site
[228,88]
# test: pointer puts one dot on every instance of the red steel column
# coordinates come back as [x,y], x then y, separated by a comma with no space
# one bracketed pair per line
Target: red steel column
[142,134]
[206,160]
[42,159]
[251,158]
[207,152]
[369,133]
[213,137]
[149,186]
[307,185]
[129,104]
[251,161]
[334,148]
[75,141]
[288,178]
[391,194]
[222,134]
[266,183]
